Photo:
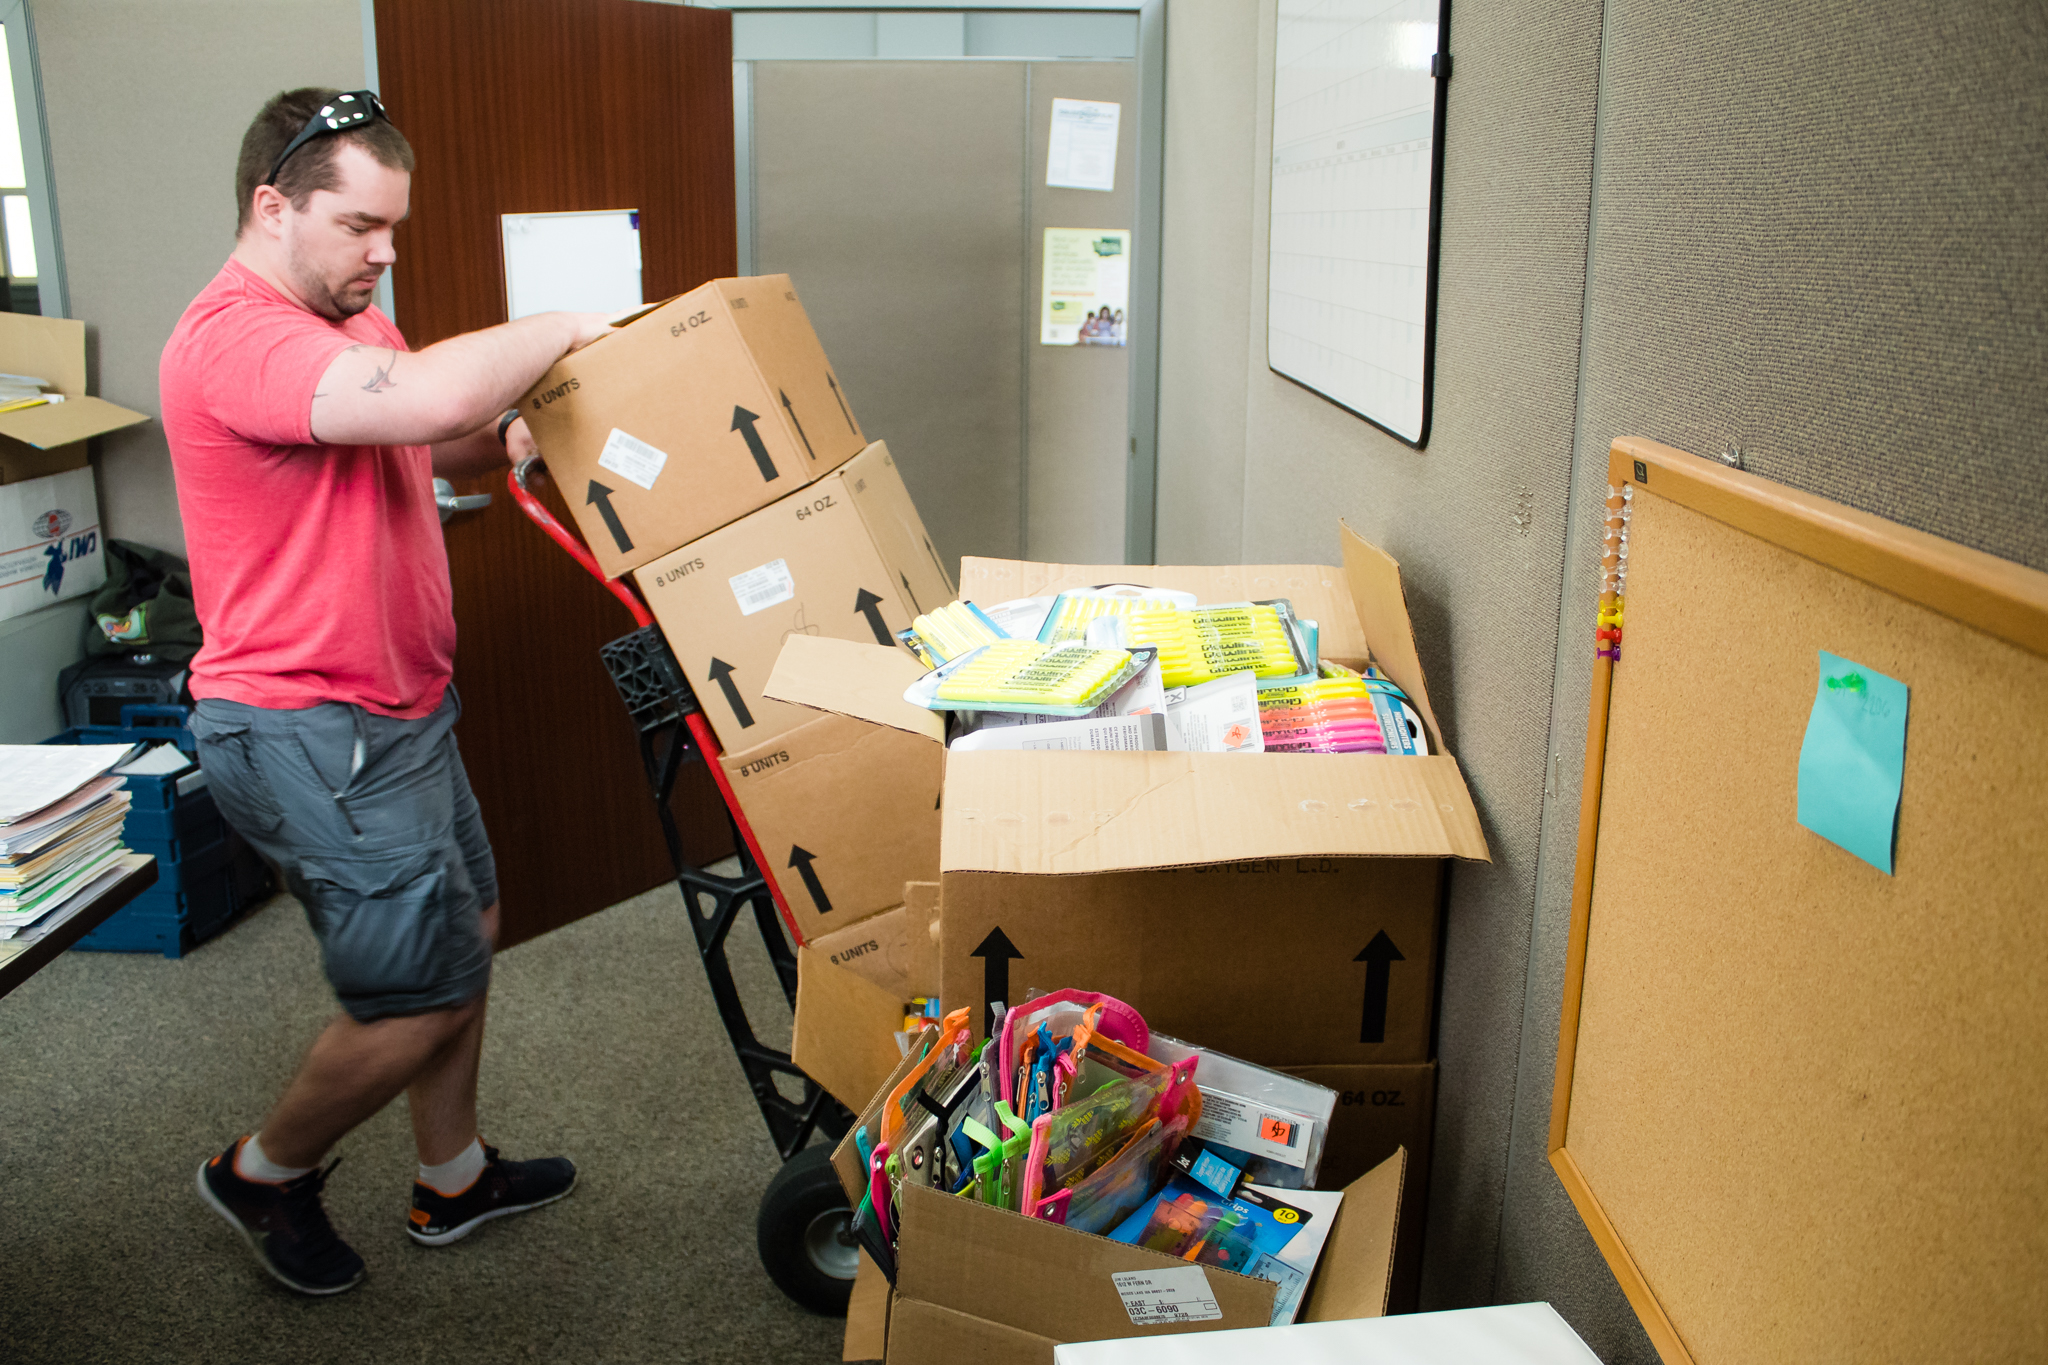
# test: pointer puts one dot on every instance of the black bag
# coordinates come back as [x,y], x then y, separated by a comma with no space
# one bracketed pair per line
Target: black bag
[145,606]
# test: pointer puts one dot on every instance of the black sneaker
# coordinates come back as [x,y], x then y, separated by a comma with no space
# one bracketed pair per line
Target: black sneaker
[504,1187]
[284,1224]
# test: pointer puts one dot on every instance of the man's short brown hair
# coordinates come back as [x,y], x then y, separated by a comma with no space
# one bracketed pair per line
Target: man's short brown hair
[312,166]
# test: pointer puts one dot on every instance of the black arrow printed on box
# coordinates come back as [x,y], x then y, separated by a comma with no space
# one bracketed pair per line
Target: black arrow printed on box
[602,496]
[1378,957]
[795,421]
[720,672]
[801,859]
[842,403]
[870,606]
[995,952]
[743,422]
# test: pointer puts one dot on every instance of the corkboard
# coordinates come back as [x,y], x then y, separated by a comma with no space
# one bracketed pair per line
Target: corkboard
[1803,1105]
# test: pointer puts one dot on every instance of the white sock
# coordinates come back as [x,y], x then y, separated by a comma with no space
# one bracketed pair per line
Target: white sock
[251,1164]
[458,1173]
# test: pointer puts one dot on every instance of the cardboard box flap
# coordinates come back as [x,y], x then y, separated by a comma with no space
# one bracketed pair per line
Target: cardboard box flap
[1375,580]
[845,1033]
[851,679]
[1317,591]
[846,1162]
[1010,811]
[867,1314]
[50,349]
[1028,1274]
[59,424]
[926,1334]
[1358,1260]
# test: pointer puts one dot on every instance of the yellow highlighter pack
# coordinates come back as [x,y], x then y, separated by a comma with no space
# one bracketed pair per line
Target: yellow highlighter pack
[1207,643]
[1068,679]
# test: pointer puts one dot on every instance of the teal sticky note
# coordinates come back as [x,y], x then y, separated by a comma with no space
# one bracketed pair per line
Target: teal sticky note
[1853,762]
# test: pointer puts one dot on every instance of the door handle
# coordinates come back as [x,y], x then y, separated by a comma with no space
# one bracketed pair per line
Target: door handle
[450,504]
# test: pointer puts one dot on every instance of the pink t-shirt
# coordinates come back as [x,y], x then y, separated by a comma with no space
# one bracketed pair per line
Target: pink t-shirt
[318,570]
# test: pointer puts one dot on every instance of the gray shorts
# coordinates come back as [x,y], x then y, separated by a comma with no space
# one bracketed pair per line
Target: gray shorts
[373,823]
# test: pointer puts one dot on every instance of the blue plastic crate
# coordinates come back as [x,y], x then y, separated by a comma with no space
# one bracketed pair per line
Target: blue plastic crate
[190,826]
[193,899]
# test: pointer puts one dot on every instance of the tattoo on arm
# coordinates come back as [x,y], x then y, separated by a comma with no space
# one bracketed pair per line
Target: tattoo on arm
[382,379]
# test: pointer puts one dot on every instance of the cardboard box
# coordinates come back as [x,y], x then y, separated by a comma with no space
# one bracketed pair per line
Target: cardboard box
[1280,907]
[851,989]
[50,547]
[847,559]
[985,1284]
[689,416]
[867,1314]
[844,811]
[1382,1110]
[50,439]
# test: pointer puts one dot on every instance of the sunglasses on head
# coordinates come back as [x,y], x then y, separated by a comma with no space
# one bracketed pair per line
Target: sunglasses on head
[351,110]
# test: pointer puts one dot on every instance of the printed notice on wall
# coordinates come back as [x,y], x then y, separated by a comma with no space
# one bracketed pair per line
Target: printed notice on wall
[1153,1297]
[1081,154]
[1087,286]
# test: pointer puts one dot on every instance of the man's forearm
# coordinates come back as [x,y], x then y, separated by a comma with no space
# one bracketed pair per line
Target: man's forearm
[477,453]
[373,395]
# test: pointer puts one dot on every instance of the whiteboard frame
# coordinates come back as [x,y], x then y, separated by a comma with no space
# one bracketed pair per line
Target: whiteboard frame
[1440,72]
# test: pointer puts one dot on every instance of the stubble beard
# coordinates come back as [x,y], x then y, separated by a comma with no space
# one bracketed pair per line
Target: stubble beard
[323,296]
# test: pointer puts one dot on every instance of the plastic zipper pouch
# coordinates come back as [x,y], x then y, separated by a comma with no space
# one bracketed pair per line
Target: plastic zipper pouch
[1106,1197]
[1071,1142]
[1095,1061]
[1052,1204]
[1062,1010]
[869,1234]
[940,1065]
[881,1197]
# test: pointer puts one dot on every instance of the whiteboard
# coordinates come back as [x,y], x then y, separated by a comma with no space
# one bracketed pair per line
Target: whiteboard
[1357,136]
[578,262]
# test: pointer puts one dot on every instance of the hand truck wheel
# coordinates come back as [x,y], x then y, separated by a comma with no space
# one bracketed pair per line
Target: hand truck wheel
[805,1233]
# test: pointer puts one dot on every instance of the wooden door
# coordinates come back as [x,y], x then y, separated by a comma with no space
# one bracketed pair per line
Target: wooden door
[534,106]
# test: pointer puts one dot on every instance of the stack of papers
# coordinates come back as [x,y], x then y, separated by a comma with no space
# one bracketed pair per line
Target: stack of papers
[61,812]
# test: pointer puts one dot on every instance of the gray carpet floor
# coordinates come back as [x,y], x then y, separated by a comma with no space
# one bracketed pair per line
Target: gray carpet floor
[119,1074]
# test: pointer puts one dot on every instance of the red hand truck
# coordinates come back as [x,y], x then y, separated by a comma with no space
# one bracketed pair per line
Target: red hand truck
[803,1228]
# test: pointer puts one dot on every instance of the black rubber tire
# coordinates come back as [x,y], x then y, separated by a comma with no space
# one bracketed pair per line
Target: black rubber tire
[802,1233]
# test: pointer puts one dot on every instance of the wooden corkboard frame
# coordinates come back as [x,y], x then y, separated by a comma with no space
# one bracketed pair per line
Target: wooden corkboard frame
[1733,1168]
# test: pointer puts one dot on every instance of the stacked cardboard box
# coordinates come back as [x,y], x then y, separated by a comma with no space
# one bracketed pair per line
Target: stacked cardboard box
[707,449]
[1285,908]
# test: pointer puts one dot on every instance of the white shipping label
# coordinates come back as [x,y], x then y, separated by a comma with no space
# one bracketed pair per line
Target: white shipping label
[1155,1297]
[633,459]
[759,589]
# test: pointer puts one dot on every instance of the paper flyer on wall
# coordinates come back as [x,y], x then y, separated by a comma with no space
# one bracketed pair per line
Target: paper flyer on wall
[1087,286]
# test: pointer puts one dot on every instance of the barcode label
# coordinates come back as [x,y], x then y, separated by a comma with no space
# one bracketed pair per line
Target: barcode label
[1153,1297]
[632,459]
[759,589]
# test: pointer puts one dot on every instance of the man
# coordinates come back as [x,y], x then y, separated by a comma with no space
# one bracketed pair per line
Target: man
[305,438]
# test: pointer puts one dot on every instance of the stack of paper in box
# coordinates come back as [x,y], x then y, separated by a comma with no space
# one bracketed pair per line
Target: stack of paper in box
[61,811]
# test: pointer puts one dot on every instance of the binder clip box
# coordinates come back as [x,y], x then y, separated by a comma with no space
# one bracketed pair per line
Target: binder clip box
[50,438]
[845,558]
[1279,907]
[690,415]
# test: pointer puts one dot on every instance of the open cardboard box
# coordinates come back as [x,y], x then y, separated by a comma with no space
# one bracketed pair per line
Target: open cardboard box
[50,438]
[982,1284]
[1280,907]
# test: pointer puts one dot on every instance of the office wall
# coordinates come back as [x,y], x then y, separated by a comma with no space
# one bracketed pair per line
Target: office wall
[146,102]
[1813,233]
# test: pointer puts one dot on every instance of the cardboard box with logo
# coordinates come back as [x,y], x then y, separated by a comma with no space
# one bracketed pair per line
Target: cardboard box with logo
[689,416]
[1280,907]
[846,558]
[50,438]
[50,542]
